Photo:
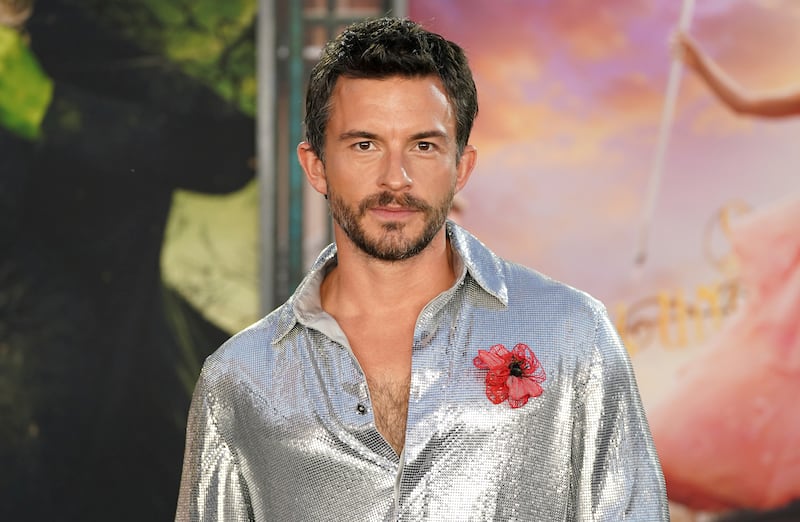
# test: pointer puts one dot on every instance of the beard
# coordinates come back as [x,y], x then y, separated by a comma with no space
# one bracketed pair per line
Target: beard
[392,244]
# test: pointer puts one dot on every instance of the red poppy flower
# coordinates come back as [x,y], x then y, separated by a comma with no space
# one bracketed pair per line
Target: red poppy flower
[515,375]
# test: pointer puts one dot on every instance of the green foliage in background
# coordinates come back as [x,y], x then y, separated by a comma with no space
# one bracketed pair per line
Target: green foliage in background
[210,250]
[25,91]
[212,40]
[210,246]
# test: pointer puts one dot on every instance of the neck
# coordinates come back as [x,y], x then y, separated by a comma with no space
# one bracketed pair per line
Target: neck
[361,284]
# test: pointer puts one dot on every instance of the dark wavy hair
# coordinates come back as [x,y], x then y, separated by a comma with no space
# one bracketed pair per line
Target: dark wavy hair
[384,47]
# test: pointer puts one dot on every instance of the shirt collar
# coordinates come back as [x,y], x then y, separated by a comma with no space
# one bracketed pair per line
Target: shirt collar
[305,305]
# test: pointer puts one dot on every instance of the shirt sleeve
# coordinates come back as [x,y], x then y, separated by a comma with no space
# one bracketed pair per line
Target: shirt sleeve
[615,465]
[212,487]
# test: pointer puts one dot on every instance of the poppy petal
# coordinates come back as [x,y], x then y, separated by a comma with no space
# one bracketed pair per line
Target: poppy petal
[486,360]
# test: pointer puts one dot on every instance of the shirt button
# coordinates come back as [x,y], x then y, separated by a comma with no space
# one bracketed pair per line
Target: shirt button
[361,409]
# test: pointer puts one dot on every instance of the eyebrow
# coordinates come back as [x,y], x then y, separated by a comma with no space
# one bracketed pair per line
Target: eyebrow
[349,135]
[429,134]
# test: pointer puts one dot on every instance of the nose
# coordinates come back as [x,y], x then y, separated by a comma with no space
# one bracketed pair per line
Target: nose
[395,176]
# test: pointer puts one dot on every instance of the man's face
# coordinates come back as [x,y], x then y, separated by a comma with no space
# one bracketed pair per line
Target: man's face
[391,169]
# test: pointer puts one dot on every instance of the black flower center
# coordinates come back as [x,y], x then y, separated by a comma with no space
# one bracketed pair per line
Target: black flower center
[515,369]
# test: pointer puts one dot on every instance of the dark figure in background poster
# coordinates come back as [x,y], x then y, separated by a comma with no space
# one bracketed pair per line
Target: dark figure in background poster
[93,411]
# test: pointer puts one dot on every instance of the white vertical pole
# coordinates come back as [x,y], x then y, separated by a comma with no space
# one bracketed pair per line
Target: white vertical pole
[667,117]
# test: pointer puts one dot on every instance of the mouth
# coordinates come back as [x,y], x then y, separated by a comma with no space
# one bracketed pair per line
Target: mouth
[393,213]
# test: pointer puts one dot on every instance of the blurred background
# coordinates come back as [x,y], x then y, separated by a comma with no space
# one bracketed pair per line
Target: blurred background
[151,205]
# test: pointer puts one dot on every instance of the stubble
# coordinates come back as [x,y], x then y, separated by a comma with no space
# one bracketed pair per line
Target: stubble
[392,242]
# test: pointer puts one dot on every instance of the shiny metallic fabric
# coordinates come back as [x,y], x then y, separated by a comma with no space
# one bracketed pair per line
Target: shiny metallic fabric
[281,427]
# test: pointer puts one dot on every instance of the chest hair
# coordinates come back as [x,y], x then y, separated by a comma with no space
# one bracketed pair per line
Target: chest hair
[390,407]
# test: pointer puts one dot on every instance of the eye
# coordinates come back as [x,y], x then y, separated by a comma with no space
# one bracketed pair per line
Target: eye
[425,146]
[363,145]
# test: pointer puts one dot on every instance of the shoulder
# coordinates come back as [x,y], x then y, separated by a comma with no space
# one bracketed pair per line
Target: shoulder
[246,353]
[571,320]
[526,300]
[576,321]
[518,286]
[554,300]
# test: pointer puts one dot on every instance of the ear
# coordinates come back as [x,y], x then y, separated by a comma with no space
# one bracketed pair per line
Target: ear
[313,167]
[465,166]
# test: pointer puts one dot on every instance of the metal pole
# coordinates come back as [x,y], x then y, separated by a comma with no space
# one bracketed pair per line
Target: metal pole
[265,147]
[296,177]
[400,8]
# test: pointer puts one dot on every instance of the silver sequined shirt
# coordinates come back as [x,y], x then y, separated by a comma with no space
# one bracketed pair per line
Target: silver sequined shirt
[281,427]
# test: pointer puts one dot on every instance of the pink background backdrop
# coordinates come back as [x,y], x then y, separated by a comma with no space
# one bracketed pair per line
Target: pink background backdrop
[571,94]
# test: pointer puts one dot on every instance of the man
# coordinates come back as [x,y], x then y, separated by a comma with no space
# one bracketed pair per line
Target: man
[380,389]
